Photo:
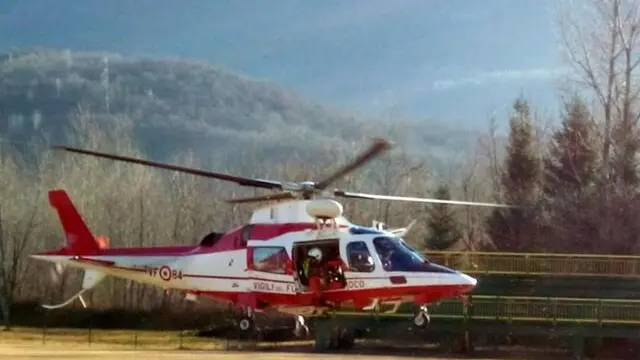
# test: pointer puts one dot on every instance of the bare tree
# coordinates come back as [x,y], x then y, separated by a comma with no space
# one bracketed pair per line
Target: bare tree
[472,182]
[600,40]
[18,220]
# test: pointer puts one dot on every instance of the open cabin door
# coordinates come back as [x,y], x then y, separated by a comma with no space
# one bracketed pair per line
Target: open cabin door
[317,275]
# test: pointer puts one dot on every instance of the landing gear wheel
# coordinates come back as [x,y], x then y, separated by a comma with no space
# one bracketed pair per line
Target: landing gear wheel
[341,339]
[346,340]
[421,319]
[301,330]
[245,324]
[336,339]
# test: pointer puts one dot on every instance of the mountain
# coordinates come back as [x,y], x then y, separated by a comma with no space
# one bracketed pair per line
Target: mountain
[178,104]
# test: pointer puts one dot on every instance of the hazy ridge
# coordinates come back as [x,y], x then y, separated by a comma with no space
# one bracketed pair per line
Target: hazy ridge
[178,104]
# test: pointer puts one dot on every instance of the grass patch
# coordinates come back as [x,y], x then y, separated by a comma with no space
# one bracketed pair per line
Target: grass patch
[129,339]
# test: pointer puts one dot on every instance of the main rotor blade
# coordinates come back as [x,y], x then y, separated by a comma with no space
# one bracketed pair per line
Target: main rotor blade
[268,197]
[379,146]
[414,199]
[267,184]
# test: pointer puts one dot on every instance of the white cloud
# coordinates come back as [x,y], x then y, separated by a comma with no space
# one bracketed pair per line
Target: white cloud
[499,76]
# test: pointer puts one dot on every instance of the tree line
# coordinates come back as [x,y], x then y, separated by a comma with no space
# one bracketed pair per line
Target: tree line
[577,184]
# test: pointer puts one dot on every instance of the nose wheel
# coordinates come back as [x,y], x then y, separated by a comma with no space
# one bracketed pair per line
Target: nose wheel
[421,318]
[246,323]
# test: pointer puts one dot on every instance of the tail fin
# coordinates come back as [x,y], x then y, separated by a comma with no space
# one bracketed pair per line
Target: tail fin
[79,239]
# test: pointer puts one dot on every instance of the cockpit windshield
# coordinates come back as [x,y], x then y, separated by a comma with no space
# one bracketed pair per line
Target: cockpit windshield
[396,255]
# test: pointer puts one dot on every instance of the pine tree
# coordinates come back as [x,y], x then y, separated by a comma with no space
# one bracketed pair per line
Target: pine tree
[516,229]
[442,225]
[625,147]
[622,186]
[570,181]
[572,161]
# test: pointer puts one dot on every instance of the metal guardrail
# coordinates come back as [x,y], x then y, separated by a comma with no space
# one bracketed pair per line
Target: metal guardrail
[554,310]
[534,309]
[539,264]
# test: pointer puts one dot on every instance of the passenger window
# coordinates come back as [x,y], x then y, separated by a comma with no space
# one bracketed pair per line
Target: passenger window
[270,259]
[360,259]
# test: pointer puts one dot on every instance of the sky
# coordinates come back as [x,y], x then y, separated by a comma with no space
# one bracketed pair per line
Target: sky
[458,61]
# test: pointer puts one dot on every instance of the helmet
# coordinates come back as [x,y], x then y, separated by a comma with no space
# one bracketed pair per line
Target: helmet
[315,253]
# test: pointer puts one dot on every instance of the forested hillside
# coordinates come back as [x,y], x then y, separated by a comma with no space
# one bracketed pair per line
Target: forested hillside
[178,104]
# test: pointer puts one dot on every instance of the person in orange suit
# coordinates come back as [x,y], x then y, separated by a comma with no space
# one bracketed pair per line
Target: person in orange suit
[315,271]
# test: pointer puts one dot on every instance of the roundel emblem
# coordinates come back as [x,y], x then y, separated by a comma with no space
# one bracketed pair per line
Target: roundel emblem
[165,273]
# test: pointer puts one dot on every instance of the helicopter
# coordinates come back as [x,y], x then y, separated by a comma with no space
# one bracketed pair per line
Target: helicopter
[260,266]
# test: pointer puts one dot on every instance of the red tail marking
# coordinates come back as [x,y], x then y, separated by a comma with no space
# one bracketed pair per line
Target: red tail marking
[103,242]
[80,240]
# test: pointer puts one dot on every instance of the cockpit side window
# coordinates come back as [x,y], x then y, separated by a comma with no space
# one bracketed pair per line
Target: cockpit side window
[395,255]
[359,257]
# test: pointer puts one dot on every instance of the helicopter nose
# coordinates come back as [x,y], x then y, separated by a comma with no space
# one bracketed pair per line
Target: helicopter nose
[467,283]
[468,280]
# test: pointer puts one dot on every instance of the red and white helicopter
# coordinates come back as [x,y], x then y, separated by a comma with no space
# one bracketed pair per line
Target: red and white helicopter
[258,266]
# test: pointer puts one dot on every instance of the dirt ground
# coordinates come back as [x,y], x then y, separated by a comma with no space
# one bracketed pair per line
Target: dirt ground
[37,351]
[29,343]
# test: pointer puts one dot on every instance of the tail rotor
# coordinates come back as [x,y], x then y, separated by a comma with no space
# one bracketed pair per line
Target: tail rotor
[56,273]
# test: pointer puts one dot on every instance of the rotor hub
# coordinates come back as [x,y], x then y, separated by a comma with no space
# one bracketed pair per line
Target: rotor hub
[307,185]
